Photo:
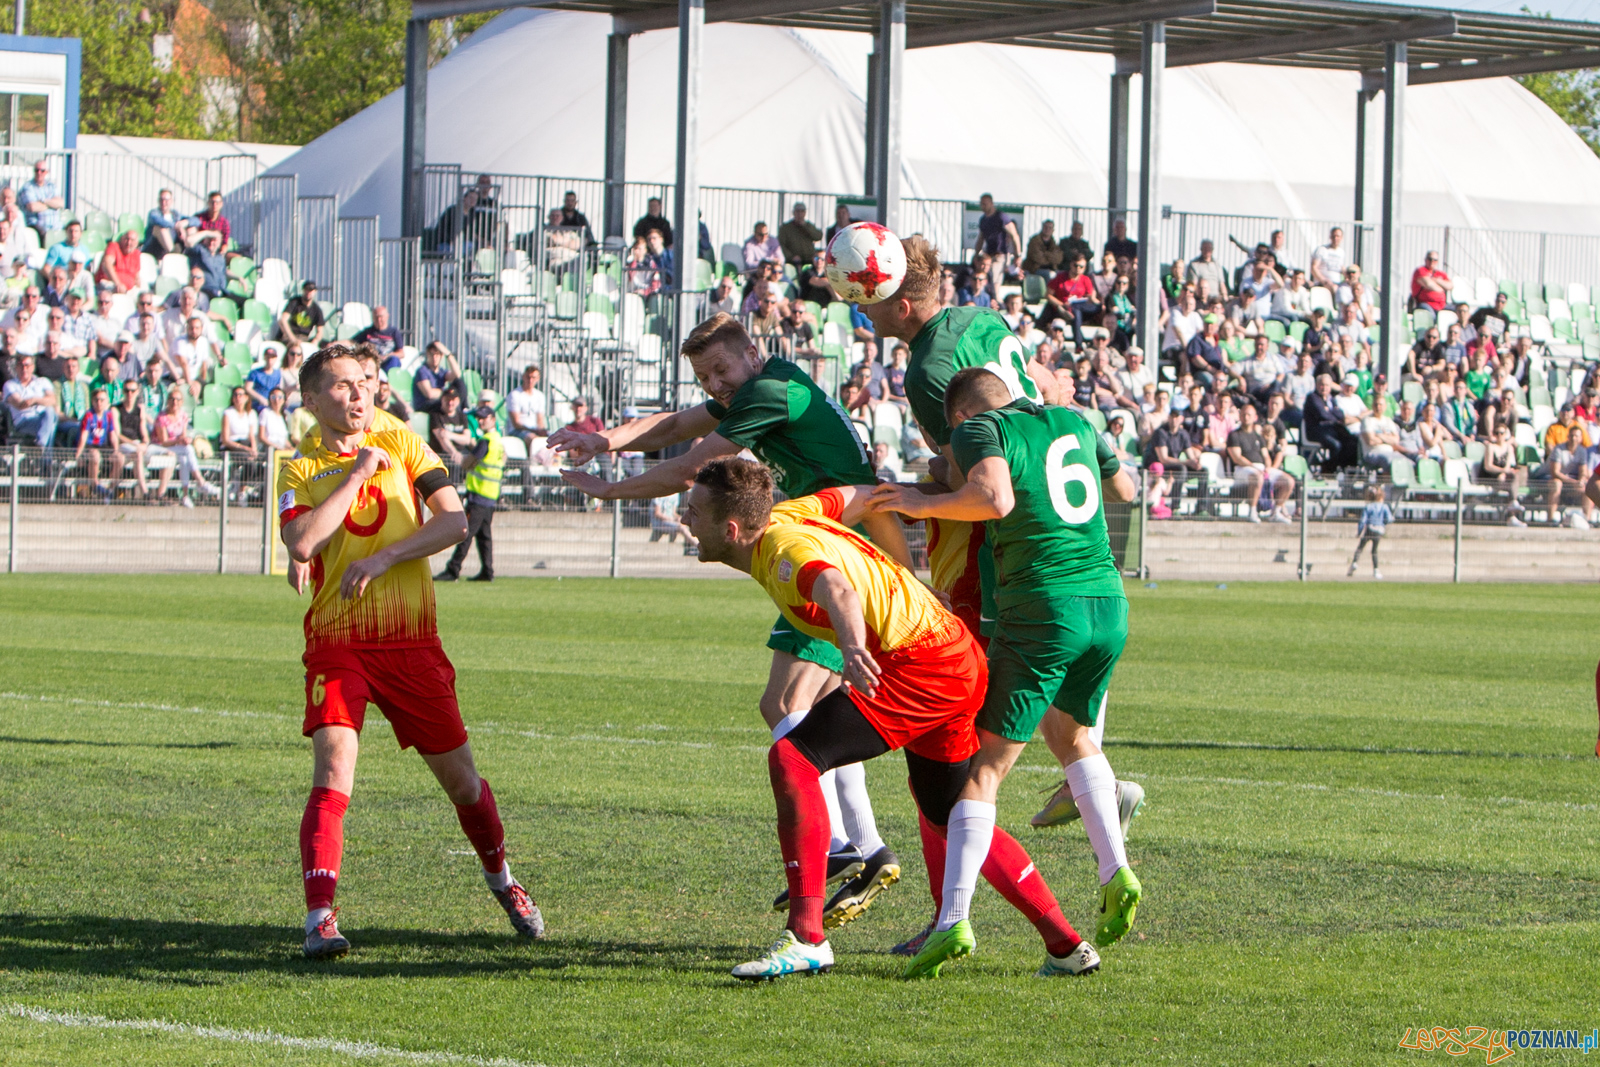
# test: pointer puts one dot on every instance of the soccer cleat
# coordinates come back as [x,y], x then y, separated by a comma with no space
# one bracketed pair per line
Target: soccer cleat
[481,576]
[1061,808]
[1081,960]
[325,942]
[1119,900]
[446,576]
[844,864]
[1377,575]
[788,955]
[524,912]
[941,947]
[913,944]
[881,870]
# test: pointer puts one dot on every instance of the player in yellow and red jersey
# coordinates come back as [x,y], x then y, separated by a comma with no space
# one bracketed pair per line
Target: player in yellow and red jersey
[352,510]
[914,679]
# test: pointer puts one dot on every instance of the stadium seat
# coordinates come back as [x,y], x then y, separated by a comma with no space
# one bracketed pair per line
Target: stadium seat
[346,332]
[1096,418]
[1559,309]
[1430,477]
[1297,330]
[604,284]
[236,355]
[485,261]
[149,269]
[174,265]
[228,375]
[514,283]
[1402,473]
[1483,291]
[1458,473]
[1033,288]
[1444,320]
[400,382]
[1542,416]
[215,395]
[1526,436]
[207,421]
[566,305]
[1511,288]
[1276,331]
[1451,450]
[1322,297]
[888,417]
[631,318]
[1421,319]
[241,267]
[600,303]
[704,275]
[733,253]
[649,348]
[515,447]
[129,221]
[598,325]
[259,313]
[419,425]
[839,312]
[354,313]
[1412,391]
[1474,451]
[1539,329]
[228,310]
[165,285]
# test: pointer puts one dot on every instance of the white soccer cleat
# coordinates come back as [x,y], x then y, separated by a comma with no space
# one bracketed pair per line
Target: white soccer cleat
[1061,808]
[1130,799]
[1081,960]
[788,955]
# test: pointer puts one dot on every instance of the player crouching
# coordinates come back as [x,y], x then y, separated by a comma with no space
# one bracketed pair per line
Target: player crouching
[914,678]
[349,508]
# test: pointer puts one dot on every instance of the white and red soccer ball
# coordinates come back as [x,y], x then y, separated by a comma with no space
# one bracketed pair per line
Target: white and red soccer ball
[866,263]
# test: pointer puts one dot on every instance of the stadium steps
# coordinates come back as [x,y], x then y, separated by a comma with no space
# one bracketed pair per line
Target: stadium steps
[1237,551]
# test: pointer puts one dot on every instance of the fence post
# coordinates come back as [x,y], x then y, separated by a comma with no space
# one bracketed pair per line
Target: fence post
[268,504]
[1455,567]
[616,534]
[11,513]
[1144,520]
[222,517]
[1304,570]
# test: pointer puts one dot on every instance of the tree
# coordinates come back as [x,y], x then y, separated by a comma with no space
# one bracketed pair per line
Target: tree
[1572,94]
[123,90]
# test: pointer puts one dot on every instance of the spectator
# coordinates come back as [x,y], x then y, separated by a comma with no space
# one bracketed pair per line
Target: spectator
[813,282]
[448,432]
[1203,358]
[41,201]
[240,425]
[1247,451]
[975,291]
[1278,248]
[1460,414]
[97,434]
[31,403]
[133,437]
[302,320]
[1118,243]
[1134,375]
[1433,435]
[213,220]
[1180,324]
[895,376]
[1205,269]
[1430,286]
[525,408]
[1410,429]
[767,319]
[561,243]
[1370,528]
[55,289]
[881,467]
[13,245]
[170,436]
[1171,453]
[665,522]
[705,251]
[800,338]
[195,355]
[1262,373]
[383,336]
[147,346]
[1566,425]
[79,279]
[1044,251]
[1499,466]
[643,275]
[1291,303]
[1105,279]
[1075,247]
[108,376]
[162,226]
[1012,310]
[1119,307]
[1328,261]
[1564,473]
[79,327]
[653,219]
[841,219]
[660,256]
[761,248]
[573,219]
[145,304]
[798,238]
[262,380]
[1492,320]
[206,256]
[998,238]
[1497,410]
[1070,296]
[723,299]
[1124,444]
[582,421]
[60,253]
[120,265]
[1257,286]
[1379,434]
[152,393]
[438,374]
[1426,355]
[1325,423]
[386,399]
[273,434]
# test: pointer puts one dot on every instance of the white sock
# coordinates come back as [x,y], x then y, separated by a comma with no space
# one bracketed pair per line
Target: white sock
[315,916]
[1094,788]
[850,782]
[498,880]
[1098,730]
[838,839]
[970,832]
[787,723]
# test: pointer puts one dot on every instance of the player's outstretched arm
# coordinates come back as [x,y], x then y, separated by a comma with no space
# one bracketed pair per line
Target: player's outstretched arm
[310,533]
[885,530]
[642,435]
[670,476]
[446,526]
[1120,486]
[833,594]
[986,494]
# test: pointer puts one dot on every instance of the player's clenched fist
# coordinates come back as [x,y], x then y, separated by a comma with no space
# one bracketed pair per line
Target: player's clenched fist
[370,461]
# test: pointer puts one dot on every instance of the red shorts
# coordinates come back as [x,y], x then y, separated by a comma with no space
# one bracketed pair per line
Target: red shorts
[414,687]
[928,698]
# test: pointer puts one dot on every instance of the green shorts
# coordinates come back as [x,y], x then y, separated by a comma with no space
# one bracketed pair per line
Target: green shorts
[1058,652]
[785,638]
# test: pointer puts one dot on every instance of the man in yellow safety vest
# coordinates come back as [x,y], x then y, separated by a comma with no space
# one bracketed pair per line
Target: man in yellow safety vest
[483,467]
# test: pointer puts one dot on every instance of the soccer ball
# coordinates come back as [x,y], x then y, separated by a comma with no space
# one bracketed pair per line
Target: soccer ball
[866,263]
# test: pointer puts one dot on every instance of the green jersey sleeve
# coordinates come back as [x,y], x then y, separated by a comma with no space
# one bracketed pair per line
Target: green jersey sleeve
[1109,463]
[759,407]
[976,440]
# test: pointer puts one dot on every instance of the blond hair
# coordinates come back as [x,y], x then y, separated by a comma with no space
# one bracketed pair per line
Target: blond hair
[923,271]
[720,329]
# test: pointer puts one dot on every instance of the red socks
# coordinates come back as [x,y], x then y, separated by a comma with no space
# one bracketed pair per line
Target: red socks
[481,822]
[803,836]
[322,845]
[1012,873]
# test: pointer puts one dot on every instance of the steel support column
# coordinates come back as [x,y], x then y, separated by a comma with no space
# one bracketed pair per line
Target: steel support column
[414,150]
[1364,98]
[891,67]
[686,211]
[869,181]
[616,135]
[1391,335]
[1117,154]
[1152,67]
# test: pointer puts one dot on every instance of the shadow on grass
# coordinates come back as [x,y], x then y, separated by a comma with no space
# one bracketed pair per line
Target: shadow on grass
[1355,750]
[116,744]
[202,953]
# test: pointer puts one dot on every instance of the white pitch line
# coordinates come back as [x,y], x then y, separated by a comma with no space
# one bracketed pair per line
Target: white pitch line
[45,698]
[353,1049]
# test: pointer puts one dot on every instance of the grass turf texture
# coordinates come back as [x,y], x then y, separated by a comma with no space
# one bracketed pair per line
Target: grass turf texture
[1370,807]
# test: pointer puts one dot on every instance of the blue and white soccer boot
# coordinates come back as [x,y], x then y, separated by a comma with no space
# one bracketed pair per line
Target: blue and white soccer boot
[788,955]
[1081,960]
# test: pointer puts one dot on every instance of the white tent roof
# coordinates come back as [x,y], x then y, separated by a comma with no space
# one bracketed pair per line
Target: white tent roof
[783,109]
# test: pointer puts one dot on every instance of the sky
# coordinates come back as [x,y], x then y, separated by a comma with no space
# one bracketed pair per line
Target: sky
[1576,10]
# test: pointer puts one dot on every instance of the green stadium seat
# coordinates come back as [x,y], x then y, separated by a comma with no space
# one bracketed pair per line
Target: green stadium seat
[1563,329]
[566,305]
[347,332]
[1511,288]
[229,374]
[400,382]
[1276,330]
[1412,391]
[235,354]
[258,313]
[228,310]
[1298,330]
[1553,291]
[839,312]
[1514,310]
[1033,288]
[1402,474]
[419,426]
[1096,418]
[1474,451]
[129,221]
[165,285]
[1430,476]
[704,275]
[726,269]
[216,395]
[241,267]
[207,421]
[472,381]
[600,303]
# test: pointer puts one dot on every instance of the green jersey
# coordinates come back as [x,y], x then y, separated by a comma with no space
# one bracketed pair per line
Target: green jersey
[955,339]
[1053,543]
[796,429]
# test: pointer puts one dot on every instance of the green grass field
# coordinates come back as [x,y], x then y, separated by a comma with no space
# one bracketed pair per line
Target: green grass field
[1370,808]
